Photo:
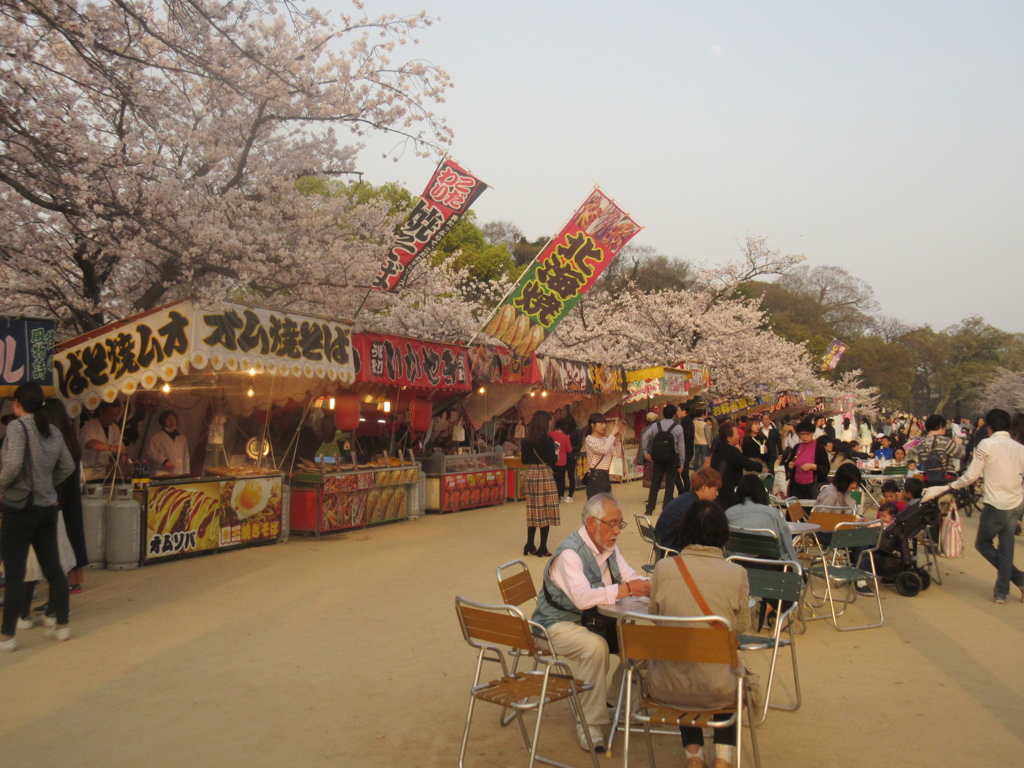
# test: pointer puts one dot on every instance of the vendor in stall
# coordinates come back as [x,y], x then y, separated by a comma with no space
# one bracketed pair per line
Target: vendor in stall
[101,442]
[167,451]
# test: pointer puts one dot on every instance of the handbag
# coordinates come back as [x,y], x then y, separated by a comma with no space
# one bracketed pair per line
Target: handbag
[604,626]
[593,620]
[20,495]
[951,536]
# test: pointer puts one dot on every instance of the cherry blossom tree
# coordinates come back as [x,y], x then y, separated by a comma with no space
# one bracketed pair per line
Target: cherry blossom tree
[1006,391]
[152,151]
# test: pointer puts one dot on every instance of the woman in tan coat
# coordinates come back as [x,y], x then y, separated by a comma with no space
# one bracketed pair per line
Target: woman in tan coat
[703,533]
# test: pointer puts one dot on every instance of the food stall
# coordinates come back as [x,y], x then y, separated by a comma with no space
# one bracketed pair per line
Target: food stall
[398,381]
[648,388]
[229,374]
[501,380]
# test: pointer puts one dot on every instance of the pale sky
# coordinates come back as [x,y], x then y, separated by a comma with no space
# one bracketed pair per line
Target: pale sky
[883,137]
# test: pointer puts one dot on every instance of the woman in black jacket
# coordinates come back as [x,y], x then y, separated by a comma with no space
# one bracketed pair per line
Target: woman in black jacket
[539,455]
[728,461]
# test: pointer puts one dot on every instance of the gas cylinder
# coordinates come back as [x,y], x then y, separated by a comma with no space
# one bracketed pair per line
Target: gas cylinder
[124,530]
[94,505]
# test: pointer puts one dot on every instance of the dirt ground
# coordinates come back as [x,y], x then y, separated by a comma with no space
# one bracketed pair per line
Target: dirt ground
[345,651]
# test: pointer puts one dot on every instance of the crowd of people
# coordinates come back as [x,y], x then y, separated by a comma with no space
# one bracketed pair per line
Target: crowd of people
[724,466]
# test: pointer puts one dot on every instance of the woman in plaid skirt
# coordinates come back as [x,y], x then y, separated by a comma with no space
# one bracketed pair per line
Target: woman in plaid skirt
[539,456]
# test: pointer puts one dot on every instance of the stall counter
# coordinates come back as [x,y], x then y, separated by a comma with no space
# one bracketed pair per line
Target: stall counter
[337,501]
[464,481]
[189,515]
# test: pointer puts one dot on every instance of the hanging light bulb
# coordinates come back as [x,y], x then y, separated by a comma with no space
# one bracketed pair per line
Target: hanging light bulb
[252,371]
[544,393]
[250,393]
[482,390]
[166,388]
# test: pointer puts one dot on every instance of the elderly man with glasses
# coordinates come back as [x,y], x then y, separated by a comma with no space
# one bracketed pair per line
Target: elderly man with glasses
[587,570]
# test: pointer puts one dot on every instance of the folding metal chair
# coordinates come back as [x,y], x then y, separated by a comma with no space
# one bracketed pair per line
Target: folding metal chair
[760,543]
[516,586]
[696,639]
[768,479]
[796,512]
[490,628]
[650,535]
[837,569]
[777,581]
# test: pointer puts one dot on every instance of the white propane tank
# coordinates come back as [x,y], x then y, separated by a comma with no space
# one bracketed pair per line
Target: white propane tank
[94,505]
[124,530]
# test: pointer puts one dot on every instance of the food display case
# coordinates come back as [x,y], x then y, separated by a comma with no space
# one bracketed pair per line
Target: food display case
[231,507]
[464,481]
[353,496]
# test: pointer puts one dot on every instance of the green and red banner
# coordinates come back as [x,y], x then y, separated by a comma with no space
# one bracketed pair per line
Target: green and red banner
[566,269]
[449,194]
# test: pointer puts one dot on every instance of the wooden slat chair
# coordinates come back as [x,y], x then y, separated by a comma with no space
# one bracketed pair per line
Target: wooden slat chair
[777,581]
[644,638]
[516,586]
[838,569]
[493,628]
[796,512]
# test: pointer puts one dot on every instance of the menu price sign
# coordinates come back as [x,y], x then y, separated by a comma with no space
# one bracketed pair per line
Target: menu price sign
[564,270]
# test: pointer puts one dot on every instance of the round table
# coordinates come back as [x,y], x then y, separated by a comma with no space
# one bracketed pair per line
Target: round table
[624,605]
[799,529]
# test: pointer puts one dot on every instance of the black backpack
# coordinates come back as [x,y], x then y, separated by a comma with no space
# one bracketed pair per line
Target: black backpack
[934,466]
[663,445]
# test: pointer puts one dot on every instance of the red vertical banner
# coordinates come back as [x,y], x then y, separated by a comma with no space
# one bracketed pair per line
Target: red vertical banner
[564,270]
[449,194]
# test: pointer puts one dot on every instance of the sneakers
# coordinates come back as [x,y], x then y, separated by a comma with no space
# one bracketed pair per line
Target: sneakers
[60,634]
[999,600]
[25,623]
[596,736]
[47,619]
[12,645]
[568,499]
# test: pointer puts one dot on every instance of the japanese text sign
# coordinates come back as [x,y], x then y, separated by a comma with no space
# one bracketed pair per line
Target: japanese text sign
[832,355]
[564,270]
[26,352]
[397,361]
[450,193]
[158,345]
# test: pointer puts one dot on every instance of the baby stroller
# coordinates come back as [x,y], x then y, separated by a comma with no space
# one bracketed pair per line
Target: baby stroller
[896,556]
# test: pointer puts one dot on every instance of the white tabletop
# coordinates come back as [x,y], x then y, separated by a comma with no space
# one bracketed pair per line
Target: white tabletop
[624,605]
[796,528]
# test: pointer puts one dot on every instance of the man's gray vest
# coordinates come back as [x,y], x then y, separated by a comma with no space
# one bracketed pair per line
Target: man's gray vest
[553,605]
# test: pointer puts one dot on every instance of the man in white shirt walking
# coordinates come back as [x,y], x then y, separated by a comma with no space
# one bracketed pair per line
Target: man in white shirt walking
[999,460]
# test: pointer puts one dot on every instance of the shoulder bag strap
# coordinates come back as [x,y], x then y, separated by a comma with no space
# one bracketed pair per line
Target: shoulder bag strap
[693,589]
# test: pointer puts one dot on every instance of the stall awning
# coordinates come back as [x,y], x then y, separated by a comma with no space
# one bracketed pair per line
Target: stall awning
[684,380]
[395,361]
[183,338]
[26,353]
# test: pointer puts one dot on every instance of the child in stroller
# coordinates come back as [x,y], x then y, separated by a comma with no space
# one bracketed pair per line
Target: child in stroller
[896,557]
